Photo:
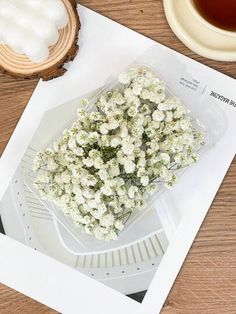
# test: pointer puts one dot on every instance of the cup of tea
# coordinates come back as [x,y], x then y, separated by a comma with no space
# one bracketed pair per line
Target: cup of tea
[217,15]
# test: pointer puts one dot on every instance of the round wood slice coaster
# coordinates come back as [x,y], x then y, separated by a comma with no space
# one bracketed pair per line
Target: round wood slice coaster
[20,66]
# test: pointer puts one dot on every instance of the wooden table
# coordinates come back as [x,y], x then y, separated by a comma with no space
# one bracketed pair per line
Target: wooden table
[207,280]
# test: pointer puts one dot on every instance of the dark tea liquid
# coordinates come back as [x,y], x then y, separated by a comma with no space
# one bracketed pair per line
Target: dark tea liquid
[220,13]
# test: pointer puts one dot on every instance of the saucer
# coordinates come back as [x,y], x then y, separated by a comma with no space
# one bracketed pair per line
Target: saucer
[197,36]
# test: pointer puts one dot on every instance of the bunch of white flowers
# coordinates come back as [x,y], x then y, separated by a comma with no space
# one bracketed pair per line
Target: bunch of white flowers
[103,167]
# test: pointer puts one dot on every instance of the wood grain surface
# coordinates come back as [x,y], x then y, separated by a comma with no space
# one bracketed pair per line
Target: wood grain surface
[207,281]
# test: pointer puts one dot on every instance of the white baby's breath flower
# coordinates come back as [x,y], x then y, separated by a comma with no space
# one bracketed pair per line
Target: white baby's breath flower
[88,193]
[115,141]
[132,111]
[119,225]
[42,178]
[118,98]
[165,158]
[166,105]
[107,220]
[158,115]
[81,112]
[51,165]
[134,101]
[145,110]
[145,94]
[88,229]
[65,199]
[82,137]
[127,148]
[165,173]
[102,208]
[137,89]
[121,191]
[179,111]
[171,180]
[178,159]
[112,124]
[124,78]
[169,116]
[106,190]
[93,137]
[95,116]
[57,178]
[88,162]
[94,153]
[157,98]
[184,124]
[112,235]
[114,170]
[91,180]
[104,128]
[151,188]
[92,203]
[144,180]
[138,142]
[78,151]
[141,172]
[65,177]
[128,93]
[98,163]
[132,191]
[98,196]
[129,203]
[105,165]
[84,220]
[104,140]
[72,143]
[97,214]
[99,232]
[79,199]
[129,166]
[141,162]
[84,102]
[124,131]
[103,174]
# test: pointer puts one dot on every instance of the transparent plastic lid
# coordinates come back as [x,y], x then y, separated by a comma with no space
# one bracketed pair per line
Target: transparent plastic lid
[206,116]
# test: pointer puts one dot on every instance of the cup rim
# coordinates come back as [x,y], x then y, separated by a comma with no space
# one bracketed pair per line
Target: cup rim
[195,12]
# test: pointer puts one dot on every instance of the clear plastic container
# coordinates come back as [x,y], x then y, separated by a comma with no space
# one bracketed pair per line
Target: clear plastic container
[207,117]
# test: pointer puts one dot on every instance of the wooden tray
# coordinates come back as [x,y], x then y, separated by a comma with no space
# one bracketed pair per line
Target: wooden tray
[20,66]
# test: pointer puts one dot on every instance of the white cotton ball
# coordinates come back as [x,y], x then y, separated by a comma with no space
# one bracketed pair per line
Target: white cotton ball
[35,4]
[25,17]
[35,49]
[7,9]
[56,11]
[2,41]
[46,30]
[3,26]
[14,38]
[18,3]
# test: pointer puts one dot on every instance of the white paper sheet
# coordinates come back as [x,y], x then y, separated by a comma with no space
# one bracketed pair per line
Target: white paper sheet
[105,48]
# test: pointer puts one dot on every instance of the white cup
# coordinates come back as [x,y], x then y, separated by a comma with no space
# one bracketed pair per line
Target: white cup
[203,21]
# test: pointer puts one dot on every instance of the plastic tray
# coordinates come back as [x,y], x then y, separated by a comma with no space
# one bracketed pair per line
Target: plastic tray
[207,117]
